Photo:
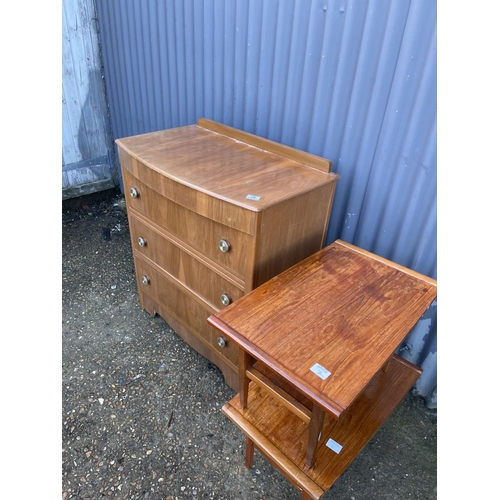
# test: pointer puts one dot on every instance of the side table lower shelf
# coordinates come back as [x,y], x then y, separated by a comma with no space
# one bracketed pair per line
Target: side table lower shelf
[281,437]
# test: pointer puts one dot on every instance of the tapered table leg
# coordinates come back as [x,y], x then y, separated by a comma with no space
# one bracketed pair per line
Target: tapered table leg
[244,362]
[315,426]
[249,453]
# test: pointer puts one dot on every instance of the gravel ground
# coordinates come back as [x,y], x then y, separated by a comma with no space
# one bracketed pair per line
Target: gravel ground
[141,412]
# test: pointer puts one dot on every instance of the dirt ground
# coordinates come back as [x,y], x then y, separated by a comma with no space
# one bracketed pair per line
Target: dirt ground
[141,412]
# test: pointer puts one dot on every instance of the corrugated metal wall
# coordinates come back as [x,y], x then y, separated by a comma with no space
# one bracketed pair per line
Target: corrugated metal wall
[353,81]
[87,148]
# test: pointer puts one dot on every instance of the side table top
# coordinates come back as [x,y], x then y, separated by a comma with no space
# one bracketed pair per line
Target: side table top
[329,323]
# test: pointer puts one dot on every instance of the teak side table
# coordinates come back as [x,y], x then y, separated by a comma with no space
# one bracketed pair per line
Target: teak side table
[317,374]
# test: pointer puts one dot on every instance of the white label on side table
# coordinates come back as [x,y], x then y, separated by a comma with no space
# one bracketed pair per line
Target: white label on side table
[333,445]
[253,197]
[320,371]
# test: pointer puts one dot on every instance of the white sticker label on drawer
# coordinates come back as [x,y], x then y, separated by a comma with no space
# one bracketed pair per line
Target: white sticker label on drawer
[320,371]
[333,445]
[253,197]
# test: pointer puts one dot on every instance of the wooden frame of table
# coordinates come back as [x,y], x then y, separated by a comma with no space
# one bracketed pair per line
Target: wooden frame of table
[318,374]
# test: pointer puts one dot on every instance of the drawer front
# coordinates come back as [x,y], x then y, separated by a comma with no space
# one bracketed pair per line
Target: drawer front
[199,278]
[205,235]
[184,308]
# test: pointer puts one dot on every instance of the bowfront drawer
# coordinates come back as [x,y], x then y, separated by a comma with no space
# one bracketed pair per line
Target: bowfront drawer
[225,245]
[183,308]
[182,266]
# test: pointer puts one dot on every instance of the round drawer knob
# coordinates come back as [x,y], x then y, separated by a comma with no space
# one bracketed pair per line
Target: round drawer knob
[225,299]
[141,241]
[224,246]
[134,193]
[145,280]
[221,341]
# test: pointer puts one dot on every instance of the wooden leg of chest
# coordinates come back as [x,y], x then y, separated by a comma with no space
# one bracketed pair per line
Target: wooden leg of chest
[148,304]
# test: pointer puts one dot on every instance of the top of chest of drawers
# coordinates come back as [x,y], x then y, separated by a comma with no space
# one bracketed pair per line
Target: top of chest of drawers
[228,164]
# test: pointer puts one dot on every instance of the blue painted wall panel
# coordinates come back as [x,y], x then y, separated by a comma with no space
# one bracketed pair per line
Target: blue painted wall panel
[86,142]
[351,80]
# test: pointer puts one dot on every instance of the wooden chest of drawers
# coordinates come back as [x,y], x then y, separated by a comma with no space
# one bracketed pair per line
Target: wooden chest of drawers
[215,212]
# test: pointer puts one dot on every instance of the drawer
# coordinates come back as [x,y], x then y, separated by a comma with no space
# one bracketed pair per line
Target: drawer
[182,266]
[183,308]
[195,230]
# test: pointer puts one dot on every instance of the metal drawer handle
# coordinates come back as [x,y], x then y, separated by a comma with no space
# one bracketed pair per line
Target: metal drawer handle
[145,280]
[134,193]
[141,241]
[221,341]
[225,299]
[224,246]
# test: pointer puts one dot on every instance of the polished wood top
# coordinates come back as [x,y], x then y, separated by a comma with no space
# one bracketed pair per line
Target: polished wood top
[343,310]
[228,164]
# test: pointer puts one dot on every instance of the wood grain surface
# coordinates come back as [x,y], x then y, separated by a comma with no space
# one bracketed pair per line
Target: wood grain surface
[282,437]
[343,308]
[189,191]
[223,167]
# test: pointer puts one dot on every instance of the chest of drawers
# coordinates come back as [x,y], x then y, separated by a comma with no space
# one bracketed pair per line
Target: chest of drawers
[215,212]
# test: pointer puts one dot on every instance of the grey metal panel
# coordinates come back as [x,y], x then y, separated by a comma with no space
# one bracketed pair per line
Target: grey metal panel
[350,80]
[85,131]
